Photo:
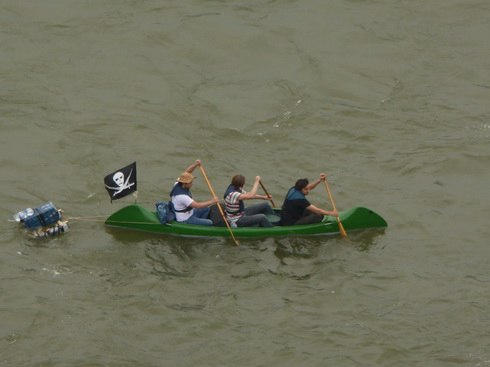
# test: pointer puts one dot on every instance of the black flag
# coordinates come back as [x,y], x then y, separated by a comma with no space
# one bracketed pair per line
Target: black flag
[122,182]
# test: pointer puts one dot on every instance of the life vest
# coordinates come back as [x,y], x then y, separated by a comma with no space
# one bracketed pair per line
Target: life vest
[179,190]
[228,191]
[293,194]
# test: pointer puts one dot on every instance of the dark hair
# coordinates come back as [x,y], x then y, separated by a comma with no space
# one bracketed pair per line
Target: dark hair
[238,181]
[301,184]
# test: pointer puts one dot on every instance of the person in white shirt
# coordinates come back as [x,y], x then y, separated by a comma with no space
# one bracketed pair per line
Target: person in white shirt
[186,209]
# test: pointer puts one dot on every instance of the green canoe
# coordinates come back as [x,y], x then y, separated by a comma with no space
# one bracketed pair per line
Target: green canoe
[136,217]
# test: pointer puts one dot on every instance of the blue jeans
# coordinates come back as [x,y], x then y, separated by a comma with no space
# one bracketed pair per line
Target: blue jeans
[253,216]
[199,217]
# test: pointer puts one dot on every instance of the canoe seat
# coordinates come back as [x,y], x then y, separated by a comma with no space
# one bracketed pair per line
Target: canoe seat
[274,218]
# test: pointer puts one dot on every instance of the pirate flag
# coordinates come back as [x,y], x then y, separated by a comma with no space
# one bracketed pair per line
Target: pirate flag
[122,182]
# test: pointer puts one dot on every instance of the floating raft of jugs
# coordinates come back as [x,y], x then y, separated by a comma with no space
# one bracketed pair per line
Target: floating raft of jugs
[43,221]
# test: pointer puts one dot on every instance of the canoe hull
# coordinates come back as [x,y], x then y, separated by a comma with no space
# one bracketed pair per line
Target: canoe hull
[138,218]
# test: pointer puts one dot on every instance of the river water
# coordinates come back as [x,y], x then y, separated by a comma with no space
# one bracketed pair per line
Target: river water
[389,98]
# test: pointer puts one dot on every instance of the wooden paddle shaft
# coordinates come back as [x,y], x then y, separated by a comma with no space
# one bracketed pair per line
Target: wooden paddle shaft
[341,227]
[265,190]
[219,206]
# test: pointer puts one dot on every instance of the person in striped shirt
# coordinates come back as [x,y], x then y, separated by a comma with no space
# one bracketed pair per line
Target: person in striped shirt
[236,213]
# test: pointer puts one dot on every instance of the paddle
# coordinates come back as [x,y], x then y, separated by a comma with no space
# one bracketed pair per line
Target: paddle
[341,227]
[219,206]
[263,188]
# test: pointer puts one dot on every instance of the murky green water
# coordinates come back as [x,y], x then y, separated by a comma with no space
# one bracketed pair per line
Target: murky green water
[390,99]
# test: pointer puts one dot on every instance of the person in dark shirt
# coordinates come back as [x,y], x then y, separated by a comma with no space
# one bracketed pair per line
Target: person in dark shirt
[298,210]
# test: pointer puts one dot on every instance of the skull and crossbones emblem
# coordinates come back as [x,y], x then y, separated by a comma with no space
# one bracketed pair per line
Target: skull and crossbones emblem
[122,185]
